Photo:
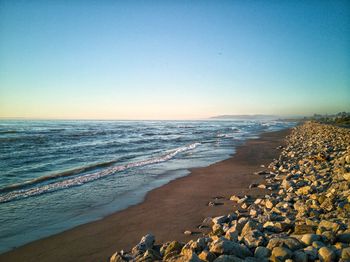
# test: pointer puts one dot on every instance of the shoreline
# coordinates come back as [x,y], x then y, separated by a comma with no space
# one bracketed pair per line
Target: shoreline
[166,211]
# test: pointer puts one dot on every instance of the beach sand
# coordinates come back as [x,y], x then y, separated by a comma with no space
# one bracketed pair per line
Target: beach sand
[166,212]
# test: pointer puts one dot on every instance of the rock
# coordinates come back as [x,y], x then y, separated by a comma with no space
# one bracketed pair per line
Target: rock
[217,230]
[254,238]
[303,229]
[232,234]
[280,254]
[223,246]
[149,255]
[205,255]
[269,204]
[250,226]
[304,190]
[345,253]
[228,258]
[346,176]
[311,252]
[318,244]
[307,239]
[220,220]
[262,252]
[117,257]
[235,198]
[326,254]
[328,226]
[146,243]
[299,256]
[288,242]
[344,238]
[174,248]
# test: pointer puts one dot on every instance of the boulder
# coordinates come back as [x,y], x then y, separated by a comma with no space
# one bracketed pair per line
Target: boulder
[307,239]
[326,254]
[288,242]
[174,248]
[345,253]
[299,256]
[205,255]
[326,225]
[226,247]
[280,254]
[262,252]
[228,258]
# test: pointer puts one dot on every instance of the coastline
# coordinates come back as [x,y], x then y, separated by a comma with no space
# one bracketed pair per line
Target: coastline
[166,211]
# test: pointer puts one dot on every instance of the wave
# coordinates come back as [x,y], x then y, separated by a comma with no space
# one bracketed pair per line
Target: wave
[67,173]
[83,179]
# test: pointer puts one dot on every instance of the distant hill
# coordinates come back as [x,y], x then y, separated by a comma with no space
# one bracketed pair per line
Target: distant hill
[254,117]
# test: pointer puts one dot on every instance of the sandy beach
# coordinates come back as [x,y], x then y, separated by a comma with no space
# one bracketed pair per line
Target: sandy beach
[166,212]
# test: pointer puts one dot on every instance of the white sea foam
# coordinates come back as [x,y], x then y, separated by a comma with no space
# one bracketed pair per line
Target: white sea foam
[80,180]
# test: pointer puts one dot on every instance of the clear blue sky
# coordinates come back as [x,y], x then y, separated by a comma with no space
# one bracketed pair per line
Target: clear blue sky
[173,59]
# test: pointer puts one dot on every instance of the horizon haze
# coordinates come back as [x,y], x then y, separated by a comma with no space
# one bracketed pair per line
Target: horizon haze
[173,60]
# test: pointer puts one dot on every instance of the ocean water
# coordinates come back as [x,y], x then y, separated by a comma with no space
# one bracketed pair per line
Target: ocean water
[55,175]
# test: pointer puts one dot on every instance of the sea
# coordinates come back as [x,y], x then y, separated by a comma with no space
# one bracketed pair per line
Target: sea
[57,174]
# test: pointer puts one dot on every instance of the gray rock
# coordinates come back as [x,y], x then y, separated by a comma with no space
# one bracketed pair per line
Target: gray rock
[228,258]
[288,242]
[254,238]
[226,247]
[345,253]
[280,254]
[299,256]
[326,254]
[344,238]
[307,239]
[262,252]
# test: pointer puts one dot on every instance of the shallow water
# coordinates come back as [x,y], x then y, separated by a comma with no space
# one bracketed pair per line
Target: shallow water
[55,175]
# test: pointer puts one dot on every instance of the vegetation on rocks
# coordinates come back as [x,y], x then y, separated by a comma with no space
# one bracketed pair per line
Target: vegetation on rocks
[305,217]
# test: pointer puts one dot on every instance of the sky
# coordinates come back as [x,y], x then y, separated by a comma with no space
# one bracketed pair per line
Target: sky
[173,59]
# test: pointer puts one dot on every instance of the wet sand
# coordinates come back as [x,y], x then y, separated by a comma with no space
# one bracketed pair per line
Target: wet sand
[167,212]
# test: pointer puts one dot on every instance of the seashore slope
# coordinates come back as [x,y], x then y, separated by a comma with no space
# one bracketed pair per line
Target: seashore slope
[305,217]
[167,211]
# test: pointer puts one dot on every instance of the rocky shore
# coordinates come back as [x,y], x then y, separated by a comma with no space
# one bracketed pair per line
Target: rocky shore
[305,216]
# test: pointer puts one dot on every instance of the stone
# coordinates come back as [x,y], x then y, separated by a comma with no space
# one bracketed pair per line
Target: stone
[326,254]
[188,232]
[235,198]
[307,239]
[146,243]
[318,244]
[345,253]
[328,226]
[217,230]
[254,238]
[288,242]
[303,229]
[262,252]
[305,190]
[117,257]
[224,246]
[269,204]
[228,258]
[232,234]
[205,255]
[250,226]
[344,238]
[280,254]
[220,220]
[299,256]
[173,248]
[311,252]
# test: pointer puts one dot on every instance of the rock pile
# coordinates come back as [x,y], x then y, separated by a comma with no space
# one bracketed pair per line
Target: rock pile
[305,217]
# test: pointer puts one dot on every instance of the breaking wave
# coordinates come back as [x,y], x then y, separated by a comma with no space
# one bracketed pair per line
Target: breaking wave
[19,191]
